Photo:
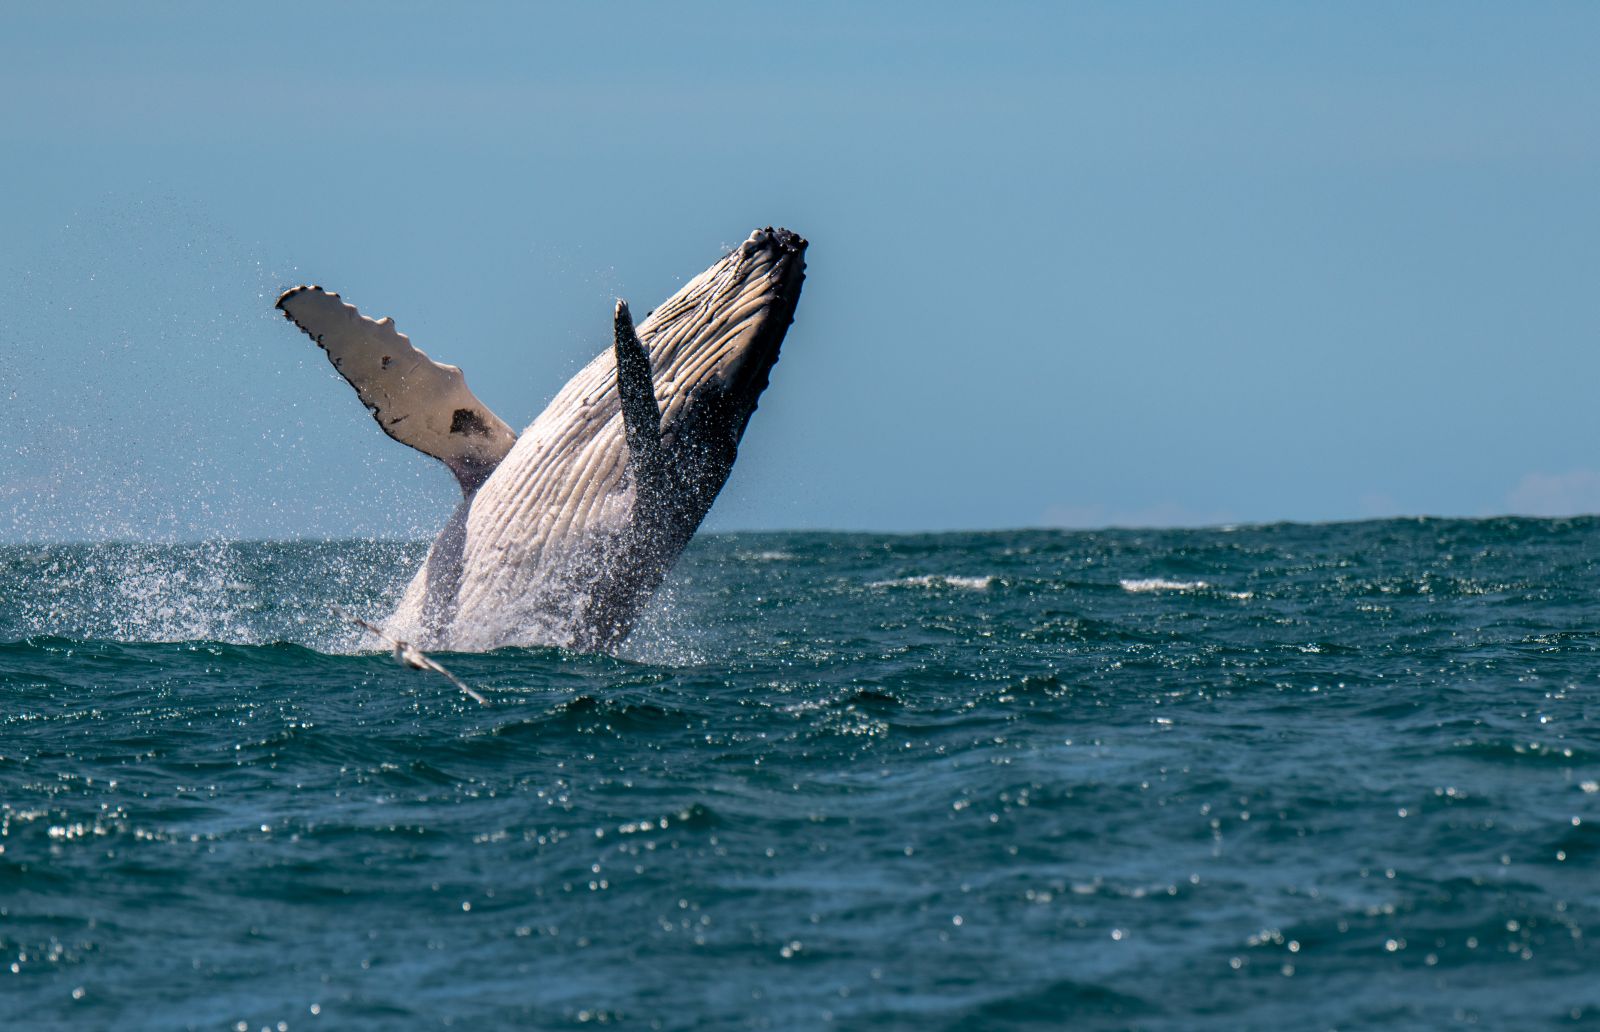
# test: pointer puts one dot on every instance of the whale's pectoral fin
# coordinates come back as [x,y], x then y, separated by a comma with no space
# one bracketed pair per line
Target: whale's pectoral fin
[641,414]
[417,401]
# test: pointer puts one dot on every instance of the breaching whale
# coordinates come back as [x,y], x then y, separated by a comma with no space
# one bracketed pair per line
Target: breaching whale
[565,532]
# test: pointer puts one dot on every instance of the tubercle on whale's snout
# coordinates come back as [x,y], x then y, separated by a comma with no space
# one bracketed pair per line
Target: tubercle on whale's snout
[788,272]
[786,242]
[788,239]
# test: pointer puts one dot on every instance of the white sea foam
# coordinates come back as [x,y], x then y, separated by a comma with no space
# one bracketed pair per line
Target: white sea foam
[936,580]
[1143,584]
[1161,584]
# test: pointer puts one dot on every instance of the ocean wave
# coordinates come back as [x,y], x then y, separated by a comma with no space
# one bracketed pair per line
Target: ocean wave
[1161,584]
[937,580]
[1139,585]
[771,556]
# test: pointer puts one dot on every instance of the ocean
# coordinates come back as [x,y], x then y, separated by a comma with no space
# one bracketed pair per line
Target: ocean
[1286,776]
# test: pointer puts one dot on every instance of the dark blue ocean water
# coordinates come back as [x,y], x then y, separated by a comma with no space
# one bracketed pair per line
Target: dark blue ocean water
[1286,776]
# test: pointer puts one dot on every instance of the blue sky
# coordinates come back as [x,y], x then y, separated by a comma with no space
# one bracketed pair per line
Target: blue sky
[1071,265]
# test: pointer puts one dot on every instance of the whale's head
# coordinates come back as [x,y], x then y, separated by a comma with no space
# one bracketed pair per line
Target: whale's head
[712,347]
[716,340]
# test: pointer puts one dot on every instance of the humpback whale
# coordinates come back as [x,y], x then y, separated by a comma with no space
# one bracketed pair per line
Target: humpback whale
[564,532]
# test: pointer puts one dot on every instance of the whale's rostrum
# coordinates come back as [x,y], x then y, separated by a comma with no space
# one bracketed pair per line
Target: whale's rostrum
[565,532]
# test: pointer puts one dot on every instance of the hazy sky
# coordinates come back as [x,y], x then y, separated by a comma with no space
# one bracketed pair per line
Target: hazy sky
[1071,265]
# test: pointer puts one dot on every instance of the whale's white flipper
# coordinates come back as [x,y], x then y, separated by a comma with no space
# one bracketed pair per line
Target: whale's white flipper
[417,401]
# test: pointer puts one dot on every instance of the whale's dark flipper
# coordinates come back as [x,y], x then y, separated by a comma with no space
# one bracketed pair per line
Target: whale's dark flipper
[417,401]
[641,414]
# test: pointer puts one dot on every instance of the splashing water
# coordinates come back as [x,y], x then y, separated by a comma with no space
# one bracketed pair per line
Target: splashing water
[239,593]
